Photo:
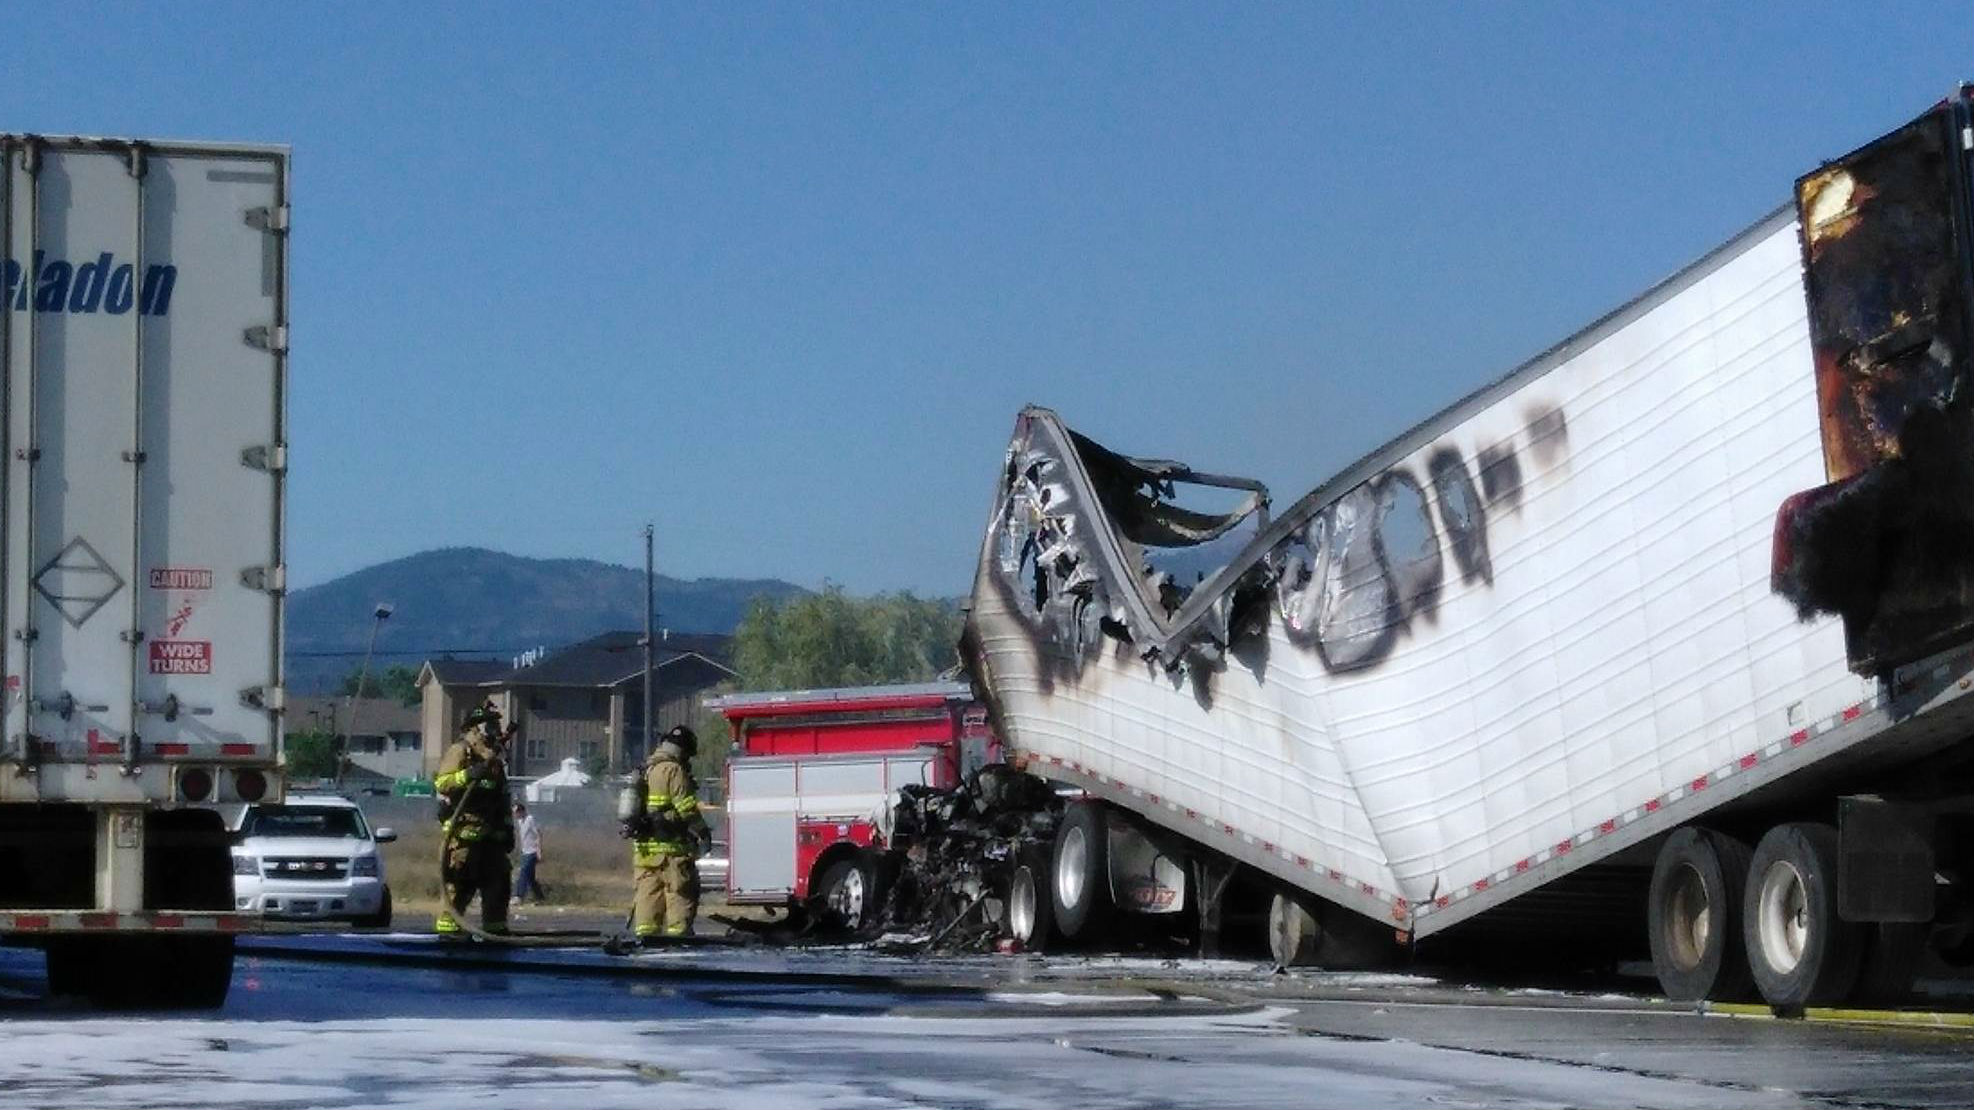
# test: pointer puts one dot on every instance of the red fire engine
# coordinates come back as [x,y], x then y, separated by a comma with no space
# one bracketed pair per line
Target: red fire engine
[814,775]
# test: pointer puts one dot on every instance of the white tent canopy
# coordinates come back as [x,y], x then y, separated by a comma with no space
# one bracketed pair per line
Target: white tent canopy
[569,777]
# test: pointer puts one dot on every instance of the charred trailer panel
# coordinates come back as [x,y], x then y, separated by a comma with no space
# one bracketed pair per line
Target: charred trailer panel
[1583,625]
[1888,259]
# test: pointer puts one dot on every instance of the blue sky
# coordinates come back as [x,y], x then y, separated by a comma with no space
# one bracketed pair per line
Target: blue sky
[779,277]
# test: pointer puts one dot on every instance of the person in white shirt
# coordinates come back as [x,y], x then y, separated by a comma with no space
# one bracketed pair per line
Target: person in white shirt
[529,834]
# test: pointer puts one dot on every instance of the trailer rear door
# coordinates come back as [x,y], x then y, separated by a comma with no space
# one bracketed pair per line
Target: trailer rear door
[144,346]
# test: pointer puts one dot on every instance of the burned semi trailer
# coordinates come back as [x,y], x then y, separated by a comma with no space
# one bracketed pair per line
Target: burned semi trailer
[1670,629]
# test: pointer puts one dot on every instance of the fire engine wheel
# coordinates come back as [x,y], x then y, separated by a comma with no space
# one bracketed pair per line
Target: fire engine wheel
[849,888]
[1028,908]
[1079,885]
[1693,917]
[1801,952]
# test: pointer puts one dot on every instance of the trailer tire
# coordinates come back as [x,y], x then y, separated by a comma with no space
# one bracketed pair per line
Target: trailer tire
[1304,933]
[1079,872]
[1029,921]
[196,973]
[71,967]
[848,892]
[1800,951]
[1292,931]
[1693,915]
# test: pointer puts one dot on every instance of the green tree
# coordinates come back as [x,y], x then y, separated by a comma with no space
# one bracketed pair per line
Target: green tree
[715,742]
[399,683]
[311,754]
[833,639]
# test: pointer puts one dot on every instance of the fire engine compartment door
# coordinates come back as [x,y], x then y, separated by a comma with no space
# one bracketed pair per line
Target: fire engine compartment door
[760,827]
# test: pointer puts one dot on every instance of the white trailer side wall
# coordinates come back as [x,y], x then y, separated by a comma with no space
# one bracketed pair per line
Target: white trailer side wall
[144,446]
[1610,635]
[1628,640]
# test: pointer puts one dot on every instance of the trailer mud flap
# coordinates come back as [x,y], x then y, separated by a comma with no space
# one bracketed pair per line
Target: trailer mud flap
[1885,861]
[1144,878]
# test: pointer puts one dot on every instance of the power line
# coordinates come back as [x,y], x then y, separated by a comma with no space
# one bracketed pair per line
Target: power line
[342,653]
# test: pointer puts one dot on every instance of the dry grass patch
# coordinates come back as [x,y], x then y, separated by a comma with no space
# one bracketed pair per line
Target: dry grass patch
[580,867]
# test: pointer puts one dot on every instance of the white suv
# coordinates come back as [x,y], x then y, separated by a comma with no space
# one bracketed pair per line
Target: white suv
[310,858]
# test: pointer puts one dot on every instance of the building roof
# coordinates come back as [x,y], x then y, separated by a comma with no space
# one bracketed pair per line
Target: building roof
[374,716]
[462,672]
[610,659]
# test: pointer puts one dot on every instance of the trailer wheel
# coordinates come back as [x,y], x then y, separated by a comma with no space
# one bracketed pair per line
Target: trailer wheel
[196,973]
[143,972]
[71,966]
[1801,952]
[1292,931]
[849,891]
[1079,876]
[1694,917]
[1302,933]
[1028,908]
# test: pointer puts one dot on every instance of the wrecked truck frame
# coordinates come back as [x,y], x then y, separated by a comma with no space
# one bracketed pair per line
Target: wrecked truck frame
[1578,609]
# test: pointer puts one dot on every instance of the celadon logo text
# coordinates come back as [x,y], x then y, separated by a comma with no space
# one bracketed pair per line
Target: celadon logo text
[101,284]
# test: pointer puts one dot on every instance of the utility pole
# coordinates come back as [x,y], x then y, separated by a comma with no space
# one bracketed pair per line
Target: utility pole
[382,613]
[650,604]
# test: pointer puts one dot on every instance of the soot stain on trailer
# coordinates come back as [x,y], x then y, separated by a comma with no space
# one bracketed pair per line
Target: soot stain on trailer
[1461,510]
[1346,583]
[1501,475]
[1548,434]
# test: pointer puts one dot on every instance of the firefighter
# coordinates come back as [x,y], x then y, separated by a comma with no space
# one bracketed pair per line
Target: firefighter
[668,836]
[477,829]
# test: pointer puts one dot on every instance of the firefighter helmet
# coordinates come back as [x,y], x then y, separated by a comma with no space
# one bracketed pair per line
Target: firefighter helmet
[683,738]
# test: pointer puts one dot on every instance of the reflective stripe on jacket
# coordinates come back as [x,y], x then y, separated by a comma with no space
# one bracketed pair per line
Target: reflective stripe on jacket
[668,793]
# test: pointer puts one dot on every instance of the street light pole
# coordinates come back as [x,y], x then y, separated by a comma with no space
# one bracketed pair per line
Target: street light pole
[650,603]
[382,613]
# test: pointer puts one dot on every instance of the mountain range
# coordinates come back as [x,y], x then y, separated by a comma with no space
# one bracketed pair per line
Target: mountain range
[472,602]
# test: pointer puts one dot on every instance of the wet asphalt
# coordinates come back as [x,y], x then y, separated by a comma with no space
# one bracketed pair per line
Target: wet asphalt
[1090,1031]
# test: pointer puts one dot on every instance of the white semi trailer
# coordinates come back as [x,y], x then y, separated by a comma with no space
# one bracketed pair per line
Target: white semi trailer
[143,336]
[1666,633]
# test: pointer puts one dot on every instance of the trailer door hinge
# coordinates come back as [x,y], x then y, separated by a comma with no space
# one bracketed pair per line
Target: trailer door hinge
[271,580]
[271,457]
[273,699]
[273,220]
[271,339]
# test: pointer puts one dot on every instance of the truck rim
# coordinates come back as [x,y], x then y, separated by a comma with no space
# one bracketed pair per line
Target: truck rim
[1021,906]
[1784,910]
[1689,922]
[848,897]
[1069,867]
